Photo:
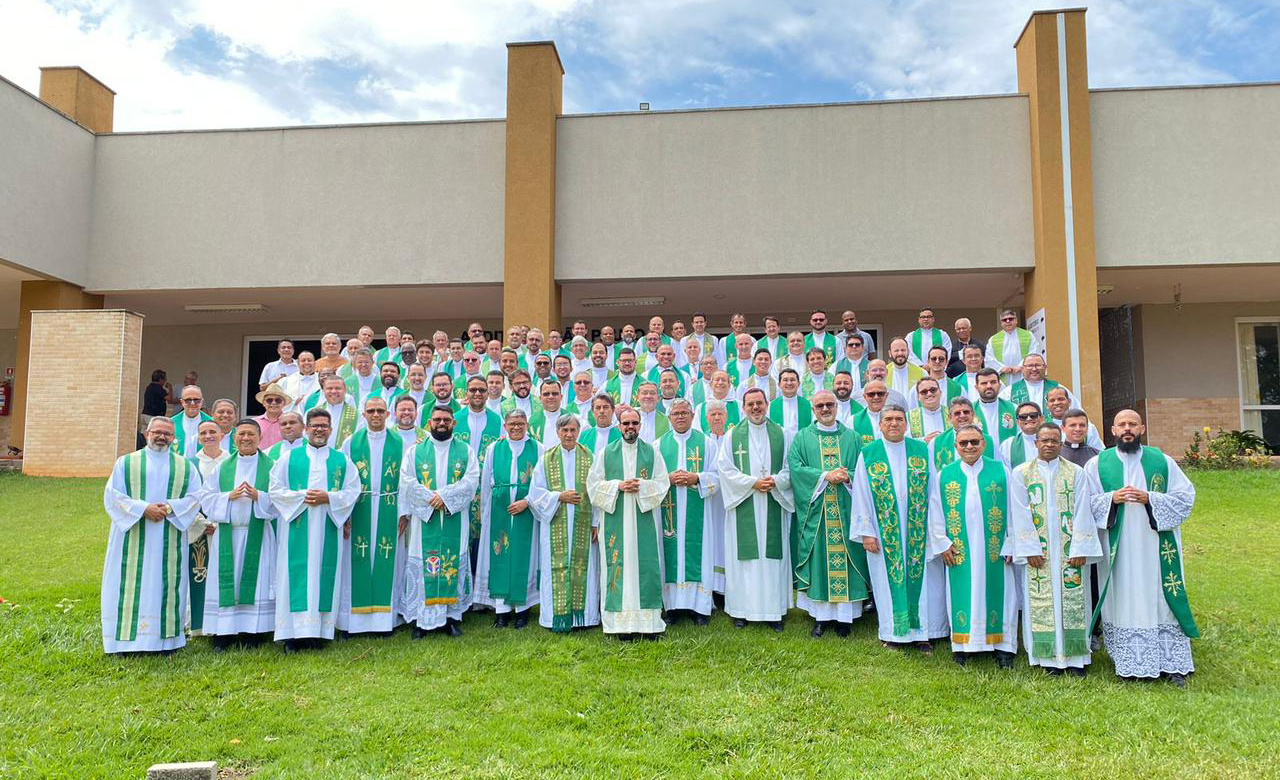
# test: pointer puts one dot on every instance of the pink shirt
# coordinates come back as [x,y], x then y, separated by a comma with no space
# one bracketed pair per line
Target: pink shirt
[270,431]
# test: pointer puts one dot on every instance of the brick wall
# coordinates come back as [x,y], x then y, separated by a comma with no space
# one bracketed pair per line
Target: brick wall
[82,404]
[1172,422]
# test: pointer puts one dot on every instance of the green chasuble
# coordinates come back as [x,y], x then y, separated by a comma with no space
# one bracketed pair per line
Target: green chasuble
[804,412]
[827,565]
[904,565]
[744,514]
[914,374]
[695,449]
[179,433]
[441,531]
[660,424]
[375,523]
[1040,587]
[227,594]
[733,415]
[1156,471]
[993,487]
[590,435]
[570,548]
[1007,425]
[299,474]
[827,343]
[647,526]
[944,449]
[613,387]
[135,543]
[510,536]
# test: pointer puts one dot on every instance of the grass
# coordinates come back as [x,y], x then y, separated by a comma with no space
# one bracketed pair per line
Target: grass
[705,701]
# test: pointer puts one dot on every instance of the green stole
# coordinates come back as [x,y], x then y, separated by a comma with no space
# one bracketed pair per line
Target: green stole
[733,415]
[569,556]
[823,549]
[804,412]
[807,388]
[859,370]
[1007,427]
[744,514]
[299,473]
[374,532]
[1075,620]
[460,386]
[613,386]
[944,449]
[915,420]
[589,435]
[904,568]
[1156,470]
[347,418]
[697,391]
[510,536]
[491,433]
[1024,343]
[646,533]
[1018,451]
[993,490]
[441,531]
[135,539]
[828,345]
[1018,394]
[353,387]
[735,377]
[918,348]
[179,432]
[278,448]
[660,424]
[694,449]
[227,596]
[863,427]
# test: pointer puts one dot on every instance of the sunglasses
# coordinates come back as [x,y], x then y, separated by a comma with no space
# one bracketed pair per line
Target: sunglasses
[929,392]
[876,395]
[376,411]
[1008,319]
[273,401]
[969,443]
[193,400]
[1028,417]
[824,405]
[582,381]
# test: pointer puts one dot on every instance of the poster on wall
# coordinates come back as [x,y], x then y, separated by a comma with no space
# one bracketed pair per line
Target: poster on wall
[1035,324]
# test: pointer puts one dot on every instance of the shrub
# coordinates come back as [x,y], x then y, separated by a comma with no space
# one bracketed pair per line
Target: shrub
[1227,450]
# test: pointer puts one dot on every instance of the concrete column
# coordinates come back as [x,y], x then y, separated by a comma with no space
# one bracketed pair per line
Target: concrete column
[1053,71]
[40,295]
[82,409]
[74,92]
[530,295]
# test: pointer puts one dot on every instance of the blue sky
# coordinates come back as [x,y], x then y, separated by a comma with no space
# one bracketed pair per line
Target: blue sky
[233,63]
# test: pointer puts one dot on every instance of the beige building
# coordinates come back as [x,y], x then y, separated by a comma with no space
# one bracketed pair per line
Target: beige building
[1138,223]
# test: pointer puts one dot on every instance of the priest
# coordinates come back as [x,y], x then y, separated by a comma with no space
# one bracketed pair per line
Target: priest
[507,569]
[314,490]
[755,481]
[626,485]
[926,337]
[151,498]
[788,409]
[943,451]
[686,545]
[600,430]
[830,569]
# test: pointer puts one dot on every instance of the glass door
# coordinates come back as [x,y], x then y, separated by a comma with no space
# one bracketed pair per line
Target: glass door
[1260,378]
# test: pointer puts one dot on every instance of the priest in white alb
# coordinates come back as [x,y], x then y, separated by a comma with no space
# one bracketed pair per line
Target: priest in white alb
[507,569]
[686,543]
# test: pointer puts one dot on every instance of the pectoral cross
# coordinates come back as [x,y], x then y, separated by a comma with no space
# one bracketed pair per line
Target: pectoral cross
[385,547]
[361,545]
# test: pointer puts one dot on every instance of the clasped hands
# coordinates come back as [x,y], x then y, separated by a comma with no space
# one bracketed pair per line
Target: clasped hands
[682,478]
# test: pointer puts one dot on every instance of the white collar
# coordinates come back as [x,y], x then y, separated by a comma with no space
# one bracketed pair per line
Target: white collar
[827,429]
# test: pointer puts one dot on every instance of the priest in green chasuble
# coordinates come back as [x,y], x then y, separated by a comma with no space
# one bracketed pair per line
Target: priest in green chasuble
[686,544]
[755,482]
[438,483]
[626,485]
[568,554]
[507,565]
[893,481]
[830,567]
[151,499]
[239,603]
[314,490]
[373,547]
[970,506]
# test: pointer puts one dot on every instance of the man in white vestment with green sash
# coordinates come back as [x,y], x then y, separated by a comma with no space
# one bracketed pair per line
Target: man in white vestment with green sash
[1010,346]
[1142,499]
[624,385]
[568,555]
[186,423]
[991,413]
[406,423]
[715,427]
[722,393]
[704,341]
[1021,447]
[926,337]
[1034,386]
[626,485]
[686,544]
[373,548]
[364,380]
[893,483]
[206,461]
[866,422]
[772,340]
[814,375]
[901,374]
[854,361]
[291,430]
[151,498]
[927,419]
[653,423]
[741,362]
[239,602]
[755,482]
[793,355]
[507,558]
[388,385]
[1058,402]
[1051,496]
[820,338]
[698,380]
[731,344]
[943,450]
[438,483]
[340,407]
[830,568]
[936,368]
[971,508]
[392,349]
[521,387]
[761,378]
[788,409]
[314,488]
[599,429]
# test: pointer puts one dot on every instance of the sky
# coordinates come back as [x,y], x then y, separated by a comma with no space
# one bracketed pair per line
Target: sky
[185,64]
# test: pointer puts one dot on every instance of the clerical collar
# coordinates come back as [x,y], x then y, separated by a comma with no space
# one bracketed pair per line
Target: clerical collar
[514,442]
[377,434]
[165,452]
[827,428]
[786,397]
[321,448]
[444,443]
[410,429]
[473,411]
[1050,464]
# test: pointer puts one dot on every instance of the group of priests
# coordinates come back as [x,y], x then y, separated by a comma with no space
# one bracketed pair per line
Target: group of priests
[610,485]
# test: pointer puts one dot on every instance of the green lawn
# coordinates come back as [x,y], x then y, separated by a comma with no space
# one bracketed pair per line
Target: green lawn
[705,701]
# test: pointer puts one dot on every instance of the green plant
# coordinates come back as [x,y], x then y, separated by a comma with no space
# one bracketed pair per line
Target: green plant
[1227,450]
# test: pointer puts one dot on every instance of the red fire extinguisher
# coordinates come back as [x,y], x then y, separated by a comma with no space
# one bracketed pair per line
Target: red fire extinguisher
[6,396]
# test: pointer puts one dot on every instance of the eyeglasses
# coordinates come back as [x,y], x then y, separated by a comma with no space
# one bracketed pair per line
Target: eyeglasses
[477,389]
[969,443]
[1028,417]
[272,401]
[376,411]
[825,405]
[193,400]
[934,391]
[876,394]
[582,381]
[1008,319]
[471,360]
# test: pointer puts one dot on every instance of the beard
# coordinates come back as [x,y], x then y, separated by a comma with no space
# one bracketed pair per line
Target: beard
[441,434]
[158,447]
[842,395]
[900,363]
[1128,445]
[389,382]
[629,435]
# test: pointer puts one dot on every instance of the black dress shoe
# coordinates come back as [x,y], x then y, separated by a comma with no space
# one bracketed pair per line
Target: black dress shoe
[502,620]
[418,633]
[1077,671]
[626,637]
[522,619]
[701,620]
[960,658]
[777,626]
[670,616]
[739,623]
[1004,660]
[818,629]
[1053,671]
[842,630]
[453,627]
[925,647]
[651,637]
[1178,679]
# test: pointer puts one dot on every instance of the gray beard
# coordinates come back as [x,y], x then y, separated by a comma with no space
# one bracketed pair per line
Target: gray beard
[1128,448]
[157,447]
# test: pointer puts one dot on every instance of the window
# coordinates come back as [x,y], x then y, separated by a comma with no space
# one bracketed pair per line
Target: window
[1259,342]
